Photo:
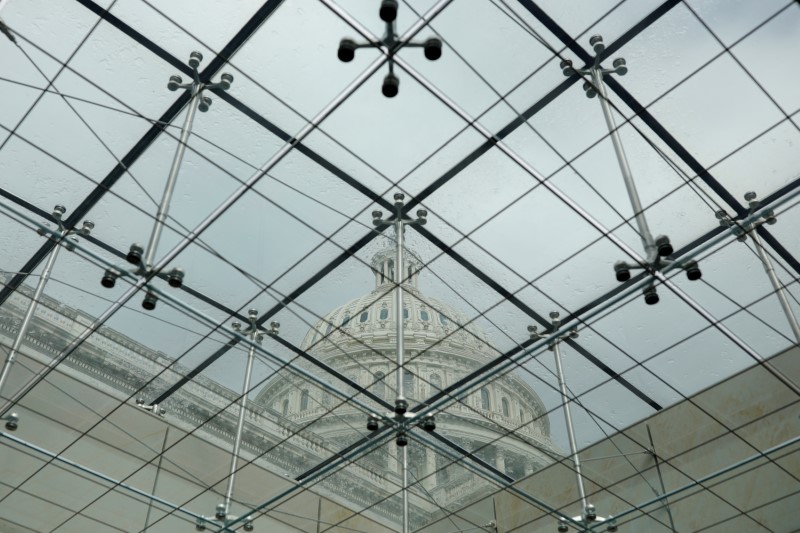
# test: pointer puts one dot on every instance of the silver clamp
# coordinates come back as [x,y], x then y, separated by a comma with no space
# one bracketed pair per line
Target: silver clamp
[68,234]
[741,230]
[378,221]
[12,421]
[619,66]
[589,517]
[221,519]
[196,86]
[255,333]
[556,322]
[154,408]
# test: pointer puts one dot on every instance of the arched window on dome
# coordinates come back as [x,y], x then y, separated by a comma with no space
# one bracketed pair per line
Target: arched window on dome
[442,319]
[485,403]
[405,313]
[390,263]
[521,415]
[436,382]
[285,407]
[423,315]
[364,316]
[346,319]
[380,385]
[384,315]
[408,384]
[304,400]
[506,411]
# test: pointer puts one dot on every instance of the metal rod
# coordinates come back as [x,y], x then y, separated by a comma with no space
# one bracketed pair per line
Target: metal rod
[319,513]
[398,306]
[660,478]
[155,481]
[496,527]
[573,446]
[776,283]
[251,354]
[99,475]
[627,176]
[405,489]
[37,294]
[172,179]
[398,279]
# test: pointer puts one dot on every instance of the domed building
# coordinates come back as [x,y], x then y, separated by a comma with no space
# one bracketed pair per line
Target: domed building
[358,339]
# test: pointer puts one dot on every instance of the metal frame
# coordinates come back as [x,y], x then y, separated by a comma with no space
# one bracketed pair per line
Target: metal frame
[264,13]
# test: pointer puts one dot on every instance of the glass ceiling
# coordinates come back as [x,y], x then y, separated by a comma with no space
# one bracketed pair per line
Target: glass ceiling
[528,212]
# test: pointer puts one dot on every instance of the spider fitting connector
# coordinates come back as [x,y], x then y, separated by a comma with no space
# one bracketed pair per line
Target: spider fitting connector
[388,14]
[741,230]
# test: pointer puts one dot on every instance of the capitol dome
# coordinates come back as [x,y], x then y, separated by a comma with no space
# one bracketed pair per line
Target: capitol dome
[358,339]
[370,319]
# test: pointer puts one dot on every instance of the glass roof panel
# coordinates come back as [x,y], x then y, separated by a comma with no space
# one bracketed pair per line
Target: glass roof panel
[271,57]
[608,17]
[733,20]
[724,85]
[180,25]
[704,114]
[669,51]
